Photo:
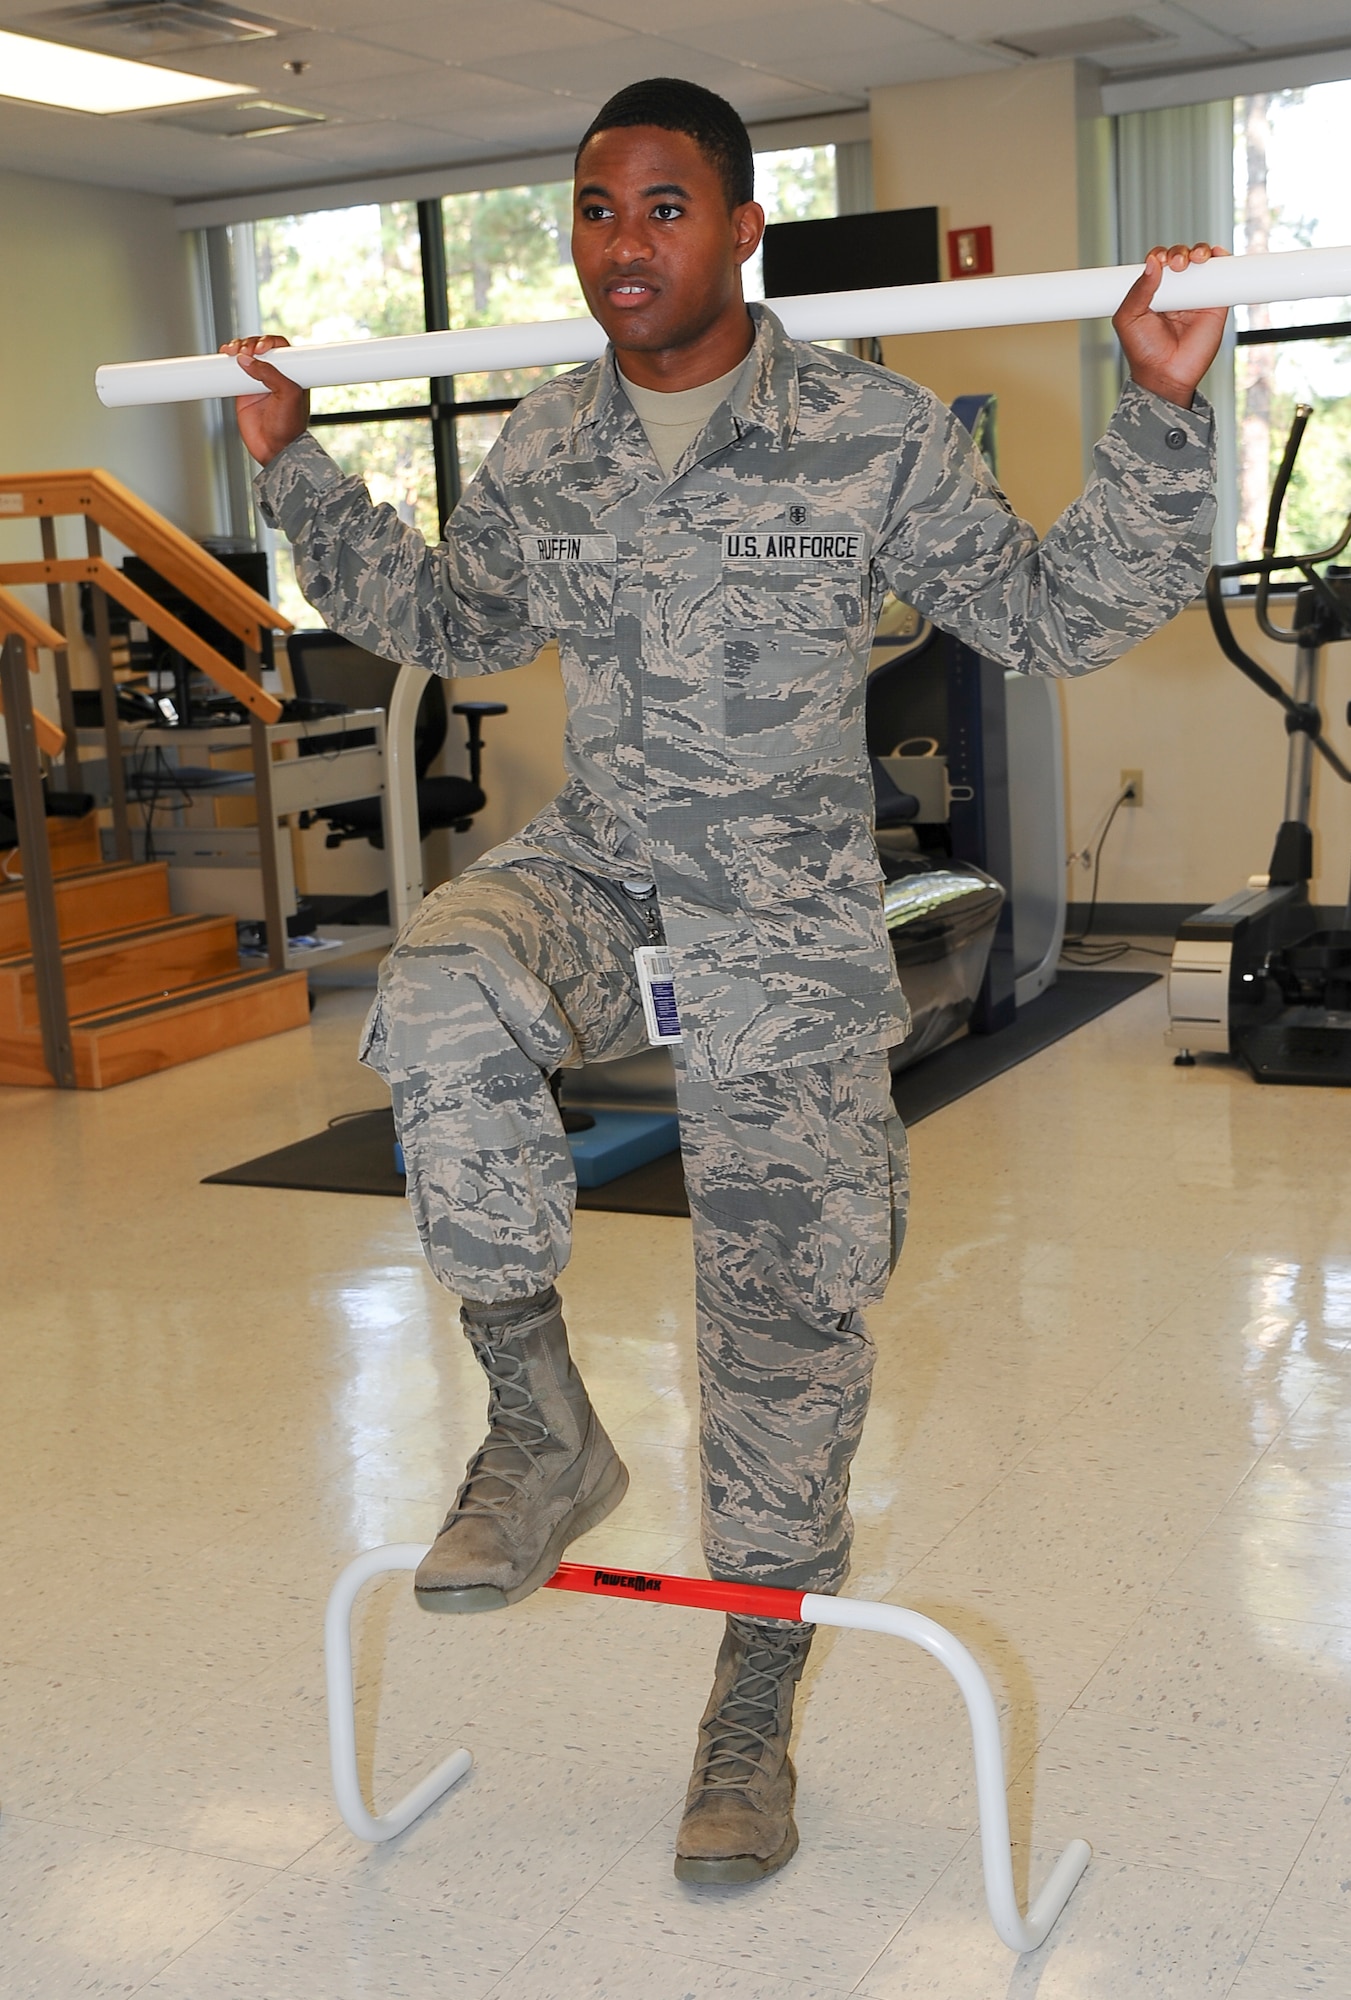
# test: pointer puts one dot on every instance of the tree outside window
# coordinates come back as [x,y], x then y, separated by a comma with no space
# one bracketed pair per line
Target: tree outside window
[1291,191]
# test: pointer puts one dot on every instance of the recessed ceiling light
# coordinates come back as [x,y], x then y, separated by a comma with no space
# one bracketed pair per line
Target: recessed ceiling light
[1082,38]
[80,80]
[255,118]
[142,28]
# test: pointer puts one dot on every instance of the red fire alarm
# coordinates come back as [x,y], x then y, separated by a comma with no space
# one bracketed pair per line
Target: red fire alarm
[971,252]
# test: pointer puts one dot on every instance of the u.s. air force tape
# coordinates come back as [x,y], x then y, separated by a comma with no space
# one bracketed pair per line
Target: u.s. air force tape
[795,545]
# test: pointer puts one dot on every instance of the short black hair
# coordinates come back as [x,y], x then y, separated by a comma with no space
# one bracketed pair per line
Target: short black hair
[673,105]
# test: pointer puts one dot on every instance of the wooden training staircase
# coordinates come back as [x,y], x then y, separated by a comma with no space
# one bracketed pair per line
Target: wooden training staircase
[100,981]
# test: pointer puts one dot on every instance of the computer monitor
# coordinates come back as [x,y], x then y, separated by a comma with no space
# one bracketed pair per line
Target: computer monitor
[850,253]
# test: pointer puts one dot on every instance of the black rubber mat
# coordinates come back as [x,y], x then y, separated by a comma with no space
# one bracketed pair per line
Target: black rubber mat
[953,1072]
[355,1154]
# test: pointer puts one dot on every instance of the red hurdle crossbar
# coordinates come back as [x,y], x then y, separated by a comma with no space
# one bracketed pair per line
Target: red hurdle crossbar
[697,1593]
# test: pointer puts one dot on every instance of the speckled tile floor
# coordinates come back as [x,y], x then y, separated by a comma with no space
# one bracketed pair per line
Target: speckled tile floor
[1110,1446]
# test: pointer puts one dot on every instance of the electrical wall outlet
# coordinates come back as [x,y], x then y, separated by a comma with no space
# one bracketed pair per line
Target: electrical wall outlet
[1135,780]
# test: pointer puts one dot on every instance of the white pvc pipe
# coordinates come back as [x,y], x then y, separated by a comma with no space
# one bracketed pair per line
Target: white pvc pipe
[342,1741]
[1283,276]
[1019,1933]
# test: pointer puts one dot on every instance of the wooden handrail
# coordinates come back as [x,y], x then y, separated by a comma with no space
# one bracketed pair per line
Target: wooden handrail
[50,735]
[174,555]
[108,505]
[15,616]
[94,569]
[18,621]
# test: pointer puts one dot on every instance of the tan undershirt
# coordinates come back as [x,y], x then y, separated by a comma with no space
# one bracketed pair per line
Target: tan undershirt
[673,418]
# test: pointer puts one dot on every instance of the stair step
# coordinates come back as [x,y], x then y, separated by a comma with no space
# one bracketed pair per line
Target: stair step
[116,969]
[72,843]
[89,901]
[113,1045]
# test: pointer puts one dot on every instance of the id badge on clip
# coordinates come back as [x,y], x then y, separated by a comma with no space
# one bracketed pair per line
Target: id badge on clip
[657,988]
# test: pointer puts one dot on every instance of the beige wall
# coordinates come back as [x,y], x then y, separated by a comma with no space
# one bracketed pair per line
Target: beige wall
[522,752]
[1213,751]
[93,274]
[1008,149]
[96,274]
[998,149]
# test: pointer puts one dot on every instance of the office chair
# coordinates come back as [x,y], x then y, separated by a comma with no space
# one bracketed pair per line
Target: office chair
[327,668]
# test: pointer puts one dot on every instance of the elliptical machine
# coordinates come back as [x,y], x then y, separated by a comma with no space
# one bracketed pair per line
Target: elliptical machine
[1253,976]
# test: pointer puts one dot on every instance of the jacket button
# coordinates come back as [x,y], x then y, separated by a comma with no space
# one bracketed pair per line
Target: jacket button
[1175,440]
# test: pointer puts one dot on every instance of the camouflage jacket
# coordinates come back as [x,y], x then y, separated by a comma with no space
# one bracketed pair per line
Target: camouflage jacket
[714,631]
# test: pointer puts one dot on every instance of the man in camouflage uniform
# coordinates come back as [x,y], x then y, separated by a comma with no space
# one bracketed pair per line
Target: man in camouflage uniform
[713,604]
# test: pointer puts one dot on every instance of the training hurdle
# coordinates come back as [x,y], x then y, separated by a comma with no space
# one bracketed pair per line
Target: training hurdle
[1020,1933]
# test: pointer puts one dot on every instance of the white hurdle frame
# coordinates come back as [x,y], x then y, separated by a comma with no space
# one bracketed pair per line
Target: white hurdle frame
[1020,1933]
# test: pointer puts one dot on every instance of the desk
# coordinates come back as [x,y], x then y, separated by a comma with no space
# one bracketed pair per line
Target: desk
[221,869]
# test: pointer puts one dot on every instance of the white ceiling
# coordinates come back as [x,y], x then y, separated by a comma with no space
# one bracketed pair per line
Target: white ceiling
[429,83]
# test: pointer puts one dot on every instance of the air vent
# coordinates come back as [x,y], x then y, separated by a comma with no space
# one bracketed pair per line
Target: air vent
[1082,38]
[154,27]
[255,118]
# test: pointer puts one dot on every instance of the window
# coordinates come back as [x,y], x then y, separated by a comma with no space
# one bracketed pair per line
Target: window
[495,258]
[1291,192]
[345,274]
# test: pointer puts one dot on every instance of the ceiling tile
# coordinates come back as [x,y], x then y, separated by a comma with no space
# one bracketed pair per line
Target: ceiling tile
[973,20]
[468,34]
[423,88]
[600,71]
[1278,23]
[379,143]
[908,62]
[654,17]
[262,65]
[477,105]
[790,40]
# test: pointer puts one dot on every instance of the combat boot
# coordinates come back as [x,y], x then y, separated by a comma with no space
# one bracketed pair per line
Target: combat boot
[738,1822]
[545,1473]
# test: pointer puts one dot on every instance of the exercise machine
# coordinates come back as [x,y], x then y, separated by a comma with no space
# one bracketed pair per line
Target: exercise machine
[1255,976]
[970,815]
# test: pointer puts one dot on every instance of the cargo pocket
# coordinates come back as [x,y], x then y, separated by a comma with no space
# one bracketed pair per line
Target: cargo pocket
[866,1188]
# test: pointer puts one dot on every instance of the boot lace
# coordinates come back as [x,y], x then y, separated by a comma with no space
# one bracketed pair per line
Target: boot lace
[737,1739]
[516,1436]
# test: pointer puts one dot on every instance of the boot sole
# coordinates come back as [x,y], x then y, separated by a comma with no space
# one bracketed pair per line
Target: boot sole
[736,1867]
[487,1596]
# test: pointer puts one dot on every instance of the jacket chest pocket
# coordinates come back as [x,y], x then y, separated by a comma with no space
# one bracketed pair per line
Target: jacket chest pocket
[791,602]
[786,664]
[570,581]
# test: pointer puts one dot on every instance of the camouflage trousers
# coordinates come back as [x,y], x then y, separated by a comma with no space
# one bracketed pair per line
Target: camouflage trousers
[797,1181]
